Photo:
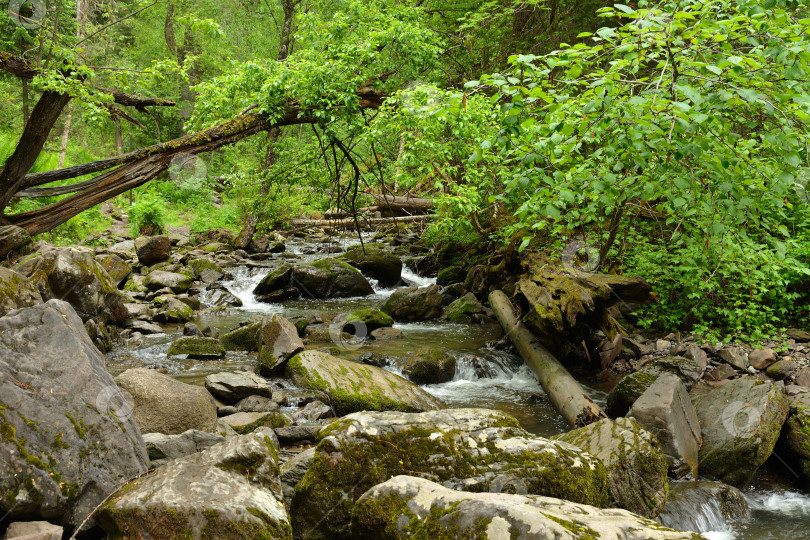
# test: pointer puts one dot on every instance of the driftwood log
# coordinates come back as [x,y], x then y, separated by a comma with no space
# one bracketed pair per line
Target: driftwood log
[564,392]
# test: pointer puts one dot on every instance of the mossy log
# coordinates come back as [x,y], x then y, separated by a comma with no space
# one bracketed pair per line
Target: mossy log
[563,390]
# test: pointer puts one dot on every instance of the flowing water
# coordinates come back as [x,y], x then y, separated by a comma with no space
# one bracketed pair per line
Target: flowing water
[486,376]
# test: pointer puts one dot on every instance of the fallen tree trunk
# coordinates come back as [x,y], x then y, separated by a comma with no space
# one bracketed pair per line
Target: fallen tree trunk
[563,390]
[349,223]
[407,204]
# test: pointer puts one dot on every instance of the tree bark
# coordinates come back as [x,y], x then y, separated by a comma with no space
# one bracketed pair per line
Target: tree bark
[65,137]
[408,204]
[564,392]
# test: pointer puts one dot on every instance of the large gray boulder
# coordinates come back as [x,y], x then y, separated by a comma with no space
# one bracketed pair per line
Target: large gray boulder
[637,467]
[68,439]
[164,448]
[165,405]
[629,389]
[16,291]
[159,279]
[232,387]
[152,249]
[330,278]
[230,490]
[278,342]
[414,304]
[75,276]
[352,386]
[666,411]
[474,450]
[292,471]
[740,422]
[373,261]
[406,507]
[796,433]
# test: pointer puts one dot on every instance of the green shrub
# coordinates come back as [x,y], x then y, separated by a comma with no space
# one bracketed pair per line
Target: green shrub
[147,216]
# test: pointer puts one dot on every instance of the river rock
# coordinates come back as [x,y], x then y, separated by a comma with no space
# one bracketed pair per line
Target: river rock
[290,435]
[158,279]
[257,404]
[698,504]
[197,347]
[222,297]
[387,334]
[246,422]
[363,321]
[292,471]
[75,276]
[629,389]
[115,266]
[164,448]
[199,266]
[796,433]
[165,405]
[781,369]
[463,309]
[12,238]
[278,342]
[414,304]
[721,373]
[16,291]
[406,506]
[146,328]
[734,356]
[637,467]
[230,490]
[762,358]
[740,422]
[276,280]
[376,263]
[57,403]
[312,412]
[244,338]
[152,249]
[34,530]
[232,387]
[430,366]
[666,411]
[475,450]
[355,387]
[330,278]
[173,310]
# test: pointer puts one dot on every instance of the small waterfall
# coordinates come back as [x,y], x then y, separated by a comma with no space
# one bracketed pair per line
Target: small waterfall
[412,279]
[241,285]
[710,508]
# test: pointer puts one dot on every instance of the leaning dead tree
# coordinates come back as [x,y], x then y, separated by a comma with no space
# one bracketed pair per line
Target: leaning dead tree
[124,172]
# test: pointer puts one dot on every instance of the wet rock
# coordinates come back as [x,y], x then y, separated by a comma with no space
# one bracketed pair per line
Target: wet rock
[230,490]
[159,279]
[199,266]
[293,471]
[474,450]
[430,366]
[364,321]
[33,530]
[210,331]
[734,356]
[152,249]
[278,342]
[278,279]
[383,334]
[696,503]
[781,369]
[57,401]
[16,291]
[629,389]
[246,422]
[356,387]
[330,278]
[414,304]
[12,238]
[244,338]
[406,506]
[451,274]
[762,358]
[115,266]
[221,297]
[463,309]
[296,434]
[196,347]
[232,387]
[312,412]
[164,448]
[796,433]
[165,405]
[636,464]
[75,276]
[256,404]
[666,411]
[740,423]
[146,328]
[191,329]
[376,263]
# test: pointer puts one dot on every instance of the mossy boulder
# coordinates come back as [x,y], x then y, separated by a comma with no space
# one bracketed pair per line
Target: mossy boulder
[197,347]
[356,387]
[244,338]
[451,274]
[430,366]
[276,279]
[231,490]
[16,291]
[376,263]
[475,450]
[199,265]
[365,321]
[629,389]
[740,422]
[411,507]
[462,309]
[636,464]
[278,342]
[330,278]
[414,304]
[67,436]
[796,433]
[173,310]
[118,269]
[159,279]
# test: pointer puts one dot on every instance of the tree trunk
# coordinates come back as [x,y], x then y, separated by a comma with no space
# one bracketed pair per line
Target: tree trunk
[26,109]
[65,136]
[349,223]
[564,392]
[407,204]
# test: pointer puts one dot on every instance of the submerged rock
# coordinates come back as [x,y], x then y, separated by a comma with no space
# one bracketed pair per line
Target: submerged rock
[474,450]
[637,467]
[355,387]
[231,490]
[57,402]
[406,506]
[414,304]
[740,423]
